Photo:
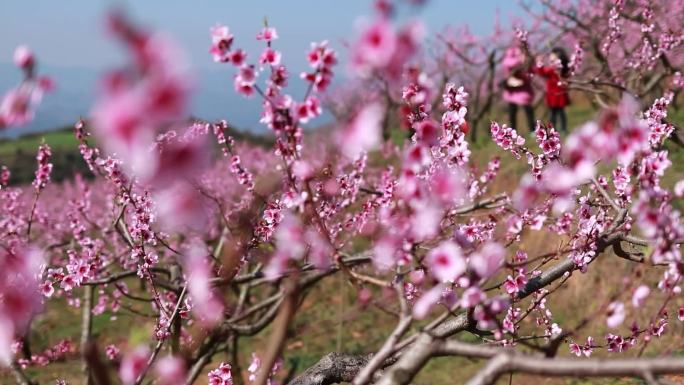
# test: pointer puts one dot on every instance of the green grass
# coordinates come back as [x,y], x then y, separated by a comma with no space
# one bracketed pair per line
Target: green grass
[63,140]
[19,155]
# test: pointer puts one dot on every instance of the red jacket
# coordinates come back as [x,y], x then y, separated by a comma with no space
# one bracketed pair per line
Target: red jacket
[556,88]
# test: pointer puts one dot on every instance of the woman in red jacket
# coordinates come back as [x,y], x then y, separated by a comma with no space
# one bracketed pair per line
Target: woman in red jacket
[556,75]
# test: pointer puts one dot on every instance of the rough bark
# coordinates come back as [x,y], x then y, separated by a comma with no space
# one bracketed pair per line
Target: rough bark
[333,368]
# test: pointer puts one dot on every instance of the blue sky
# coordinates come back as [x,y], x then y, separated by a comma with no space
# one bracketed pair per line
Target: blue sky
[72,46]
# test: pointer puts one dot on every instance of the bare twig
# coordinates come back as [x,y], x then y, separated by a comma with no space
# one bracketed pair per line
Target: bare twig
[366,374]
[157,348]
[20,376]
[508,362]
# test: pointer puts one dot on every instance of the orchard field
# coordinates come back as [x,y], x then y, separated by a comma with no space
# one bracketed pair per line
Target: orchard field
[398,224]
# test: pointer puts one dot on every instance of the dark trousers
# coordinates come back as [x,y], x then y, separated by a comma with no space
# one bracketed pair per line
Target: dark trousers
[513,111]
[559,113]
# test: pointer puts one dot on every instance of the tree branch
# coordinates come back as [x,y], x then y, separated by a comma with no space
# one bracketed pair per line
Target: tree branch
[333,368]
[366,374]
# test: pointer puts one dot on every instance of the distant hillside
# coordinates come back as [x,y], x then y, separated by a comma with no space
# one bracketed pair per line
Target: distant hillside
[212,98]
[19,154]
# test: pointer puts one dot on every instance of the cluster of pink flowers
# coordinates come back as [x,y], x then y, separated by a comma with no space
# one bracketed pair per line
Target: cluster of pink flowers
[616,314]
[17,106]
[417,96]
[514,284]
[576,59]
[614,28]
[171,370]
[112,352]
[80,269]
[133,364]
[322,59]
[20,299]
[245,79]
[455,102]
[254,366]
[364,131]
[549,142]
[621,182]
[44,167]
[655,119]
[221,44]
[136,101]
[206,303]
[382,49]
[221,375]
[281,113]
[619,134]
[273,215]
[52,354]
[508,139]
[585,349]
[243,176]
[452,144]
[293,241]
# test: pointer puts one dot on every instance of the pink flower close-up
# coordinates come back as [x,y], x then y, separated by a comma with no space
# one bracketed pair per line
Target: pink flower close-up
[446,261]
